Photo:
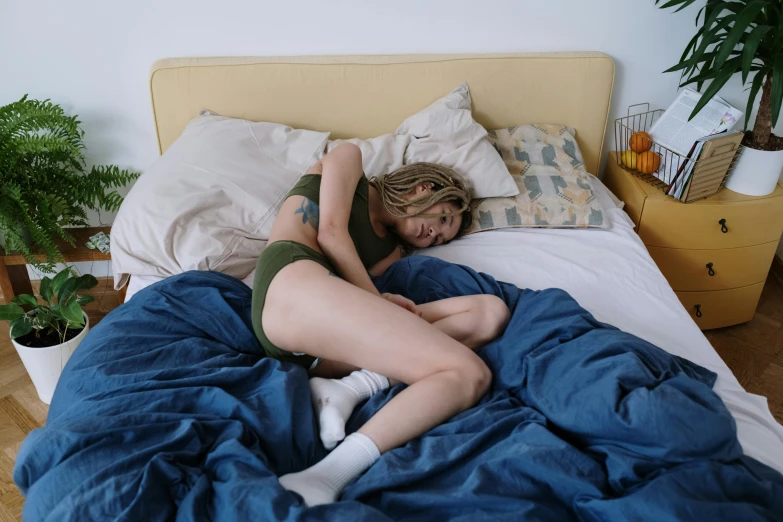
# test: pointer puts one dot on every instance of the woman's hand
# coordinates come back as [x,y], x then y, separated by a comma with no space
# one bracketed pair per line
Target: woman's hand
[404,302]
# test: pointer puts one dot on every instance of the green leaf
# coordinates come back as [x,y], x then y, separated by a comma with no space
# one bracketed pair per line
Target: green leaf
[708,38]
[59,279]
[66,290]
[710,72]
[712,5]
[754,89]
[684,5]
[25,299]
[84,299]
[11,312]
[691,45]
[75,284]
[716,85]
[749,49]
[86,282]
[46,289]
[741,23]
[672,3]
[777,87]
[56,312]
[73,312]
[20,327]
[707,75]
[696,22]
[691,62]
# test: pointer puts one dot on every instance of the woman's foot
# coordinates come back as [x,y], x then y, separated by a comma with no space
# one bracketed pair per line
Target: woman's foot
[335,399]
[322,483]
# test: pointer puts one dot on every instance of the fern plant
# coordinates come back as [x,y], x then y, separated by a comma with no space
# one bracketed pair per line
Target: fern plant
[44,181]
[738,36]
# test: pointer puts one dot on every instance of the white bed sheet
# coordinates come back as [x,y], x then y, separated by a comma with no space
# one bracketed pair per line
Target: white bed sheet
[609,272]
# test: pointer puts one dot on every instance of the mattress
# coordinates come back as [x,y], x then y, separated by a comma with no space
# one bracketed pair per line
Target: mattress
[609,272]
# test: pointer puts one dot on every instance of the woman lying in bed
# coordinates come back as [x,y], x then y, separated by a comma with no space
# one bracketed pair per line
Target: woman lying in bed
[315,305]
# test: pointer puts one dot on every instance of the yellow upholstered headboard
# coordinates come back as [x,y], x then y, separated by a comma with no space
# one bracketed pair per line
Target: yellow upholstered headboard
[366,96]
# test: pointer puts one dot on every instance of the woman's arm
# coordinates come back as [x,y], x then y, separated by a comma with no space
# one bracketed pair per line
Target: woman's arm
[381,266]
[342,169]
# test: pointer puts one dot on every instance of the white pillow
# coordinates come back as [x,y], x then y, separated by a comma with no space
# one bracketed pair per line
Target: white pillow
[380,155]
[209,202]
[446,133]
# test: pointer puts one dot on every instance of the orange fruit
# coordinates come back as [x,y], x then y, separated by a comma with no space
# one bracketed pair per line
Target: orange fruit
[648,162]
[640,142]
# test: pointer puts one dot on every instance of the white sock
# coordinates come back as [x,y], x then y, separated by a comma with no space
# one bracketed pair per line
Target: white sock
[335,399]
[322,483]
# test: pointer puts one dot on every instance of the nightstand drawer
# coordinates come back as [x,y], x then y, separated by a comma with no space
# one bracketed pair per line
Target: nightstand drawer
[722,308]
[695,225]
[687,270]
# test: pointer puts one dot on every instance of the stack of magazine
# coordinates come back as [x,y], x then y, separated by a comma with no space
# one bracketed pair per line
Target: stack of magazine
[688,138]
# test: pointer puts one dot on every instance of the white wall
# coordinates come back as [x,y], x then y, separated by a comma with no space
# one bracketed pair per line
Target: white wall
[94,56]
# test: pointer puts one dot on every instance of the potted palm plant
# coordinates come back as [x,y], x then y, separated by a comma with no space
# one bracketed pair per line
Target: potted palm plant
[46,184]
[741,37]
[46,335]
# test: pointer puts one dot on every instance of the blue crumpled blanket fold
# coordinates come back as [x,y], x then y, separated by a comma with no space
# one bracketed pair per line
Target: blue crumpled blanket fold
[168,410]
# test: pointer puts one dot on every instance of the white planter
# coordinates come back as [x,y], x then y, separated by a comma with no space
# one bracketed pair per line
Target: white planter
[756,172]
[46,364]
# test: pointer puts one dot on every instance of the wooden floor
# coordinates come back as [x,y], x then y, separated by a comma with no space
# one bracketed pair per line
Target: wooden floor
[753,351]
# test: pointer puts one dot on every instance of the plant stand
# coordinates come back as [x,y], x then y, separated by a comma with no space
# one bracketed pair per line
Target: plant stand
[14,278]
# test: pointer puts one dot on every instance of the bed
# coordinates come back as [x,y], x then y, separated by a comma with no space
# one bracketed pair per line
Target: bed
[608,272]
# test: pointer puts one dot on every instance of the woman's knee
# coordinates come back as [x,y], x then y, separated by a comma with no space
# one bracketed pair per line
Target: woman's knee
[474,379]
[492,316]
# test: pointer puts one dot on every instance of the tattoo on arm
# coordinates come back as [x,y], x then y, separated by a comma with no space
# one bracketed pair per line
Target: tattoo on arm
[309,211]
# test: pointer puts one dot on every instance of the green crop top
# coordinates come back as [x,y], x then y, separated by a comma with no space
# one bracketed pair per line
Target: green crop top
[369,245]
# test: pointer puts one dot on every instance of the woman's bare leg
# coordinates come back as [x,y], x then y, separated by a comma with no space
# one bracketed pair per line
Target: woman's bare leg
[349,325]
[346,324]
[333,370]
[473,320]
[337,388]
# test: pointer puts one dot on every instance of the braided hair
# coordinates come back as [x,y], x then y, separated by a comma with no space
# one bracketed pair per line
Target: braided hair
[446,186]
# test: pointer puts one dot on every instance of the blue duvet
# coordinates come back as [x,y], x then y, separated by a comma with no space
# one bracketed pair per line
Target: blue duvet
[169,411]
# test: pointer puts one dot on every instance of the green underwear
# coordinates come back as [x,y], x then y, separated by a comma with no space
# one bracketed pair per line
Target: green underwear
[273,258]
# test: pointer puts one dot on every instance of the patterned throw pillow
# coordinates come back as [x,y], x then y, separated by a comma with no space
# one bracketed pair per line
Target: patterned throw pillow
[526,145]
[547,198]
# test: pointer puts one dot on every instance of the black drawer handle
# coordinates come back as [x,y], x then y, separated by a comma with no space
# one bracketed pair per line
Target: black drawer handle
[722,224]
[710,270]
[698,310]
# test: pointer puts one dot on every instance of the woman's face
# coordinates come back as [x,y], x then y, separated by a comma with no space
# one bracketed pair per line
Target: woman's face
[422,231]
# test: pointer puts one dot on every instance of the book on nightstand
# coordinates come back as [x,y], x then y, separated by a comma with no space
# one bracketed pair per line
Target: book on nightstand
[690,138]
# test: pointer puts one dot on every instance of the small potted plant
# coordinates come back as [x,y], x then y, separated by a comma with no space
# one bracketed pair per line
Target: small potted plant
[46,335]
[45,182]
[741,37]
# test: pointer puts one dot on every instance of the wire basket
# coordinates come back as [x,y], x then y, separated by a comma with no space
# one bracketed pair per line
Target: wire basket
[665,167]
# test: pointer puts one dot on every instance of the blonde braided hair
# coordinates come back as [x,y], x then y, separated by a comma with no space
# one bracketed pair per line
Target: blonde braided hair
[446,186]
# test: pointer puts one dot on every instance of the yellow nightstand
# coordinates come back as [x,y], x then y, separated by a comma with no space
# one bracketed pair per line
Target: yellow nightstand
[715,253]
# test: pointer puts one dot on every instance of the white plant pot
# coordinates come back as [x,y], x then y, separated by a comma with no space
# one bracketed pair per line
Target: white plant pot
[756,172]
[46,364]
